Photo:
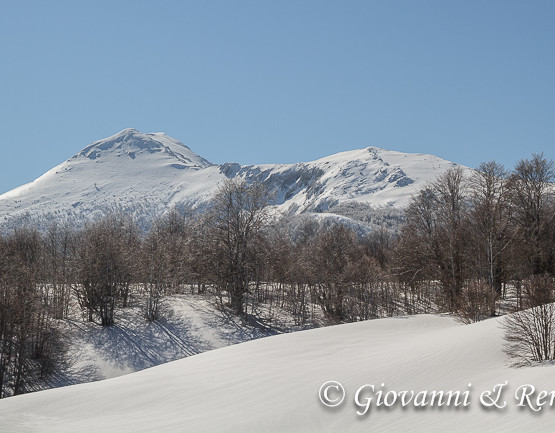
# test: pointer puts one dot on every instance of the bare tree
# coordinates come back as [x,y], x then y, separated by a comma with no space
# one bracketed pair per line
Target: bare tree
[334,251]
[477,302]
[106,266]
[531,197]
[59,251]
[530,334]
[451,190]
[433,242]
[490,224]
[154,271]
[29,343]
[416,250]
[237,216]
[166,259]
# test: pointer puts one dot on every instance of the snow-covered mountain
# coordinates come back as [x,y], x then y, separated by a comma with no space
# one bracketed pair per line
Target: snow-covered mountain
[146,174]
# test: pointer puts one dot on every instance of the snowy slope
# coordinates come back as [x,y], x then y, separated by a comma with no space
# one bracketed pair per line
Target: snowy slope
[139,173]
[372,175]
[146,174]
[272,385]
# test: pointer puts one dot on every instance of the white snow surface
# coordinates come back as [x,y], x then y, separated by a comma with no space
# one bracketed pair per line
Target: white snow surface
[272,385]
[146,174]
[188,325]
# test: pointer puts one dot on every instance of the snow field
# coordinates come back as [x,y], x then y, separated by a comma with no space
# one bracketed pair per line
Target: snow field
[271,385]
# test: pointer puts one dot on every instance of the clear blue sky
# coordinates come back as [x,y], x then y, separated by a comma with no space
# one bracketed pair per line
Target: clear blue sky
[277,81]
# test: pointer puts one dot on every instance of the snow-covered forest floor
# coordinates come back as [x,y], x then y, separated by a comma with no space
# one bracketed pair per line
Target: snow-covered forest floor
[189,324]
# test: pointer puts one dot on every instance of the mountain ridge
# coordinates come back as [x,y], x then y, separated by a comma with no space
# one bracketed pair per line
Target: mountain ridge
[147,174]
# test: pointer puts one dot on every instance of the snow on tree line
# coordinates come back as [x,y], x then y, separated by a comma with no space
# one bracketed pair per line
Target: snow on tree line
[462,243]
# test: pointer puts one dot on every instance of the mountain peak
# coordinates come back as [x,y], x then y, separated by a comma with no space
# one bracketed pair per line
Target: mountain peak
[123,134]
[133,143]
[128,131]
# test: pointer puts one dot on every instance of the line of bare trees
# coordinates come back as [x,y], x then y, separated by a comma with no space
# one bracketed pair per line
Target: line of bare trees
[492,229]
[29,341]
[465,240]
